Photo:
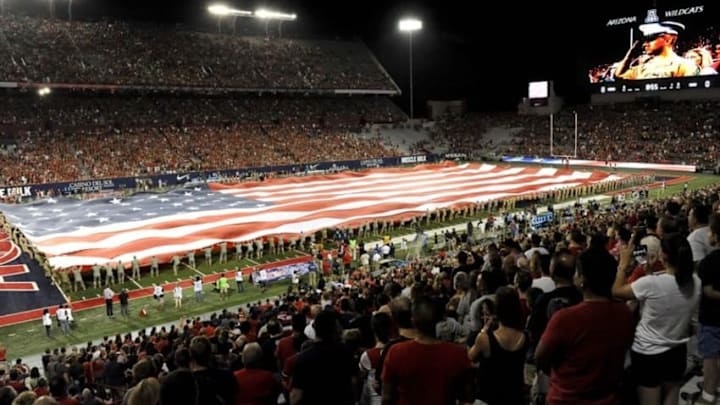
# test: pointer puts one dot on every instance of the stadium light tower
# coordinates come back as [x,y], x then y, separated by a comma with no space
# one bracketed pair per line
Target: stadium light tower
[410,25]
[70,10]
[269,15]
[221,10]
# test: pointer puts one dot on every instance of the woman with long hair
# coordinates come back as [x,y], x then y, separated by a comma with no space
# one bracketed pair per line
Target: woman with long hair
[667,302]
[501,352]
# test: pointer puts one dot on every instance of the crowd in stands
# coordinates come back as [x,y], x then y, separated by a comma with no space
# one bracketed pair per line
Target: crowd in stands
[679,132]
[550,316]
[78,137]
[120,53]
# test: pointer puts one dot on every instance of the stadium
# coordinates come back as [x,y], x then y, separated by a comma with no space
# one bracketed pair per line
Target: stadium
[234,205]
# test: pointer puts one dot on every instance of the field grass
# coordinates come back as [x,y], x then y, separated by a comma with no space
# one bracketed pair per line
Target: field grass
[29,338]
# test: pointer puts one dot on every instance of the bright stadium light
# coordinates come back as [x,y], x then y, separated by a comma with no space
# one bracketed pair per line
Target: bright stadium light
[410,25]
[274,15]
[219,10]
[43,91]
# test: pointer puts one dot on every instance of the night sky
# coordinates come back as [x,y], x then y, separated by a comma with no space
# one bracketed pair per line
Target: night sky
[485,52]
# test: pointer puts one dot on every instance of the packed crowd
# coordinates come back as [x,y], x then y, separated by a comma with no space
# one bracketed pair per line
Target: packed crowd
[662,133]
[102,137]
[464,134]
[549,317]
[679,132]
[121,53]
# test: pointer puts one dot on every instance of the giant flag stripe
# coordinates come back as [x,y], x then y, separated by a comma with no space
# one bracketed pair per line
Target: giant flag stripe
[308,203]
[231,226]
[83,233]
[164,247]
[296,211]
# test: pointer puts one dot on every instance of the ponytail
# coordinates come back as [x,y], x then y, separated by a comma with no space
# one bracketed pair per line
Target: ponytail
[679,256]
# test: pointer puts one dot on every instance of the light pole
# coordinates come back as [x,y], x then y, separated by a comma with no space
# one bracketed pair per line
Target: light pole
[269,15]
[576,133]
[70,10]
[221,10]
[410,25]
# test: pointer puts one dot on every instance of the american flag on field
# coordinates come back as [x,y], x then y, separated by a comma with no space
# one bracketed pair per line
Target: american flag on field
[72,232]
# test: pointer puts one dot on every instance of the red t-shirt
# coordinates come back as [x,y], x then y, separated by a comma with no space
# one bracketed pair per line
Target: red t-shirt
[288,370]
[374,355]
[18,385]
[256,387]
[588,343]
[284,349]
[425,373]
[40,391]
[639,271]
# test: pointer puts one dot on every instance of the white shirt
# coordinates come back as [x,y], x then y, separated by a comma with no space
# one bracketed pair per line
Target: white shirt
[47,320]
[239,277]
[365,259]
[665,313]
[68,313]
[699,243]
[108,294]
[368,389]
[197,285]
[263,275]
[158,290]
[545,283]
[61,315]
[310,330]
[177,292]
[529,253]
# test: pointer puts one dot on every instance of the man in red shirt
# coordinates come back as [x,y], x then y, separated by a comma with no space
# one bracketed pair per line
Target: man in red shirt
[289,345]
[585,345]
[255,385]
[426,370]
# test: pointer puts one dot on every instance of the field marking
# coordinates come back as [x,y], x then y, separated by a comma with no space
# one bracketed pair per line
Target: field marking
[136,283]
[195,270]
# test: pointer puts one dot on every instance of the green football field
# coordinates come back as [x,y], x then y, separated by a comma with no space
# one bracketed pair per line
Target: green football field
[29,338]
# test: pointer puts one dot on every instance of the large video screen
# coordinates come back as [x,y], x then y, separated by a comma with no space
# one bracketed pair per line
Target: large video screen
[659,49]
[537,90]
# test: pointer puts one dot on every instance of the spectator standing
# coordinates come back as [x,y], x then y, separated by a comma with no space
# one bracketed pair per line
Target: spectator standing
[584,346]
[108,294]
